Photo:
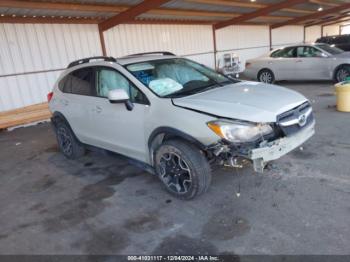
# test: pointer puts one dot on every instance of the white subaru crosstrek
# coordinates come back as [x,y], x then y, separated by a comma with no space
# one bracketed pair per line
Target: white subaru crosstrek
[175,116]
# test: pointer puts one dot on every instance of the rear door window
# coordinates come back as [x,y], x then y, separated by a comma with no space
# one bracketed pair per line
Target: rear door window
[308,51]
[81,82]
[288,52]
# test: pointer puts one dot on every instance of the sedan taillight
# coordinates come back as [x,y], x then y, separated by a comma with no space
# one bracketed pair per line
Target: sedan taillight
[247,65]
[49,96]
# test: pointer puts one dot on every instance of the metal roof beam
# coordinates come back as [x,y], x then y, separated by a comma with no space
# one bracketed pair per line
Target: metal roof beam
[247,5]
[131,13]
[327,20]
[260,12]
[313,16]
[337,22]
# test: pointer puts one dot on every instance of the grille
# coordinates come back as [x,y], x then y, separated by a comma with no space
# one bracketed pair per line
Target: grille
[296,119]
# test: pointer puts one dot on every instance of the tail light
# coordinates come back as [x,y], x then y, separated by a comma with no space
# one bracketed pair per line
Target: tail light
[247,65]
[49,96]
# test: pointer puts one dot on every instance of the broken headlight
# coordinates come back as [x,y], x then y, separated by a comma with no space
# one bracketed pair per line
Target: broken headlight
[239,132]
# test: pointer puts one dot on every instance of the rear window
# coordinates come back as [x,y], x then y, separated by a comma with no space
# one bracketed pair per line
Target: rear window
[330,49]
[79,82]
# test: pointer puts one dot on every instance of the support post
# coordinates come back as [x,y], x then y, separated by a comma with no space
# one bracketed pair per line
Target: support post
[102,41]
[270,37]
[214,45]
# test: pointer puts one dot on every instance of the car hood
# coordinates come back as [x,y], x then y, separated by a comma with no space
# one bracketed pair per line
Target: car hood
[247,101]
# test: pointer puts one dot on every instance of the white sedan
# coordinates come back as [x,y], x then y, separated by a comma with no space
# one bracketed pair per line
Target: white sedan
[300,62]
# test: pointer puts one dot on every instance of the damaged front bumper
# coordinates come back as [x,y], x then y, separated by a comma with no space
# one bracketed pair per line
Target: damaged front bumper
[273,150]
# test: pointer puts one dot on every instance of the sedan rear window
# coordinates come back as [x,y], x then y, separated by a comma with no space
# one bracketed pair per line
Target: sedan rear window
[330,49]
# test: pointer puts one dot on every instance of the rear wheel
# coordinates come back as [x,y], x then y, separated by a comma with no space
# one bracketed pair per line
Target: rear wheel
[183,169]
[67,142]
[342,73]
[266,76]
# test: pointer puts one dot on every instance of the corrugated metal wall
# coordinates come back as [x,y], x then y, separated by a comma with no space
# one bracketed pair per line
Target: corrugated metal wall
[34,48]
[192,41]
[287,35]
[28,48]
[312,33]
[331,30]
[246,41]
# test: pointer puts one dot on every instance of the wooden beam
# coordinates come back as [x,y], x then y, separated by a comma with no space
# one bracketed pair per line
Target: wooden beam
[103,44]
[170,22]
[178,12]
[24,115]
[260,12]
[247,5]
[131,13]
[46,20]
[324,3]
[313,16]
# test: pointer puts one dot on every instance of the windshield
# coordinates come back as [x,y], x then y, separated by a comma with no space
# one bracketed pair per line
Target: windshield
[176,77]
[331,49]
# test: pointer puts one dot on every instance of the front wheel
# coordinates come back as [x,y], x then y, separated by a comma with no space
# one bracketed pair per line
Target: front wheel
[183,169]
[266,76]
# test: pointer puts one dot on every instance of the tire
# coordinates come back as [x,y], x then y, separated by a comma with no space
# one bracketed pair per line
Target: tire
[266,76]
[183,169]
[67,142]
[342,73]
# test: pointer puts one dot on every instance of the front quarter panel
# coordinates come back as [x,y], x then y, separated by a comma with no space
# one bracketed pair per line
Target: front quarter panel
[163,114]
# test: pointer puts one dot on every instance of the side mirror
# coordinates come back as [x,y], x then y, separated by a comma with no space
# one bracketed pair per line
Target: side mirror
[118,96]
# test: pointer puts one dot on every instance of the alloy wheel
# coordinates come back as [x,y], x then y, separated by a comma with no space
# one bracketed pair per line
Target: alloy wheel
[342,75]
[175,173]
[266,77]
[65,141]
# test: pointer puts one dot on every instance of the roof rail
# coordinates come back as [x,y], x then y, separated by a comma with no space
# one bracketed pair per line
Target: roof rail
[151,53]
[88,59]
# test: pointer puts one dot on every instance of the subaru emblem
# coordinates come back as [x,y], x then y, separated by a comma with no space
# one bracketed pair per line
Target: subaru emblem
[302,120]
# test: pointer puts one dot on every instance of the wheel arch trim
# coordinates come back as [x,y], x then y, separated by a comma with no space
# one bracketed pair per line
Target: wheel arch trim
[59,116]
[157,137]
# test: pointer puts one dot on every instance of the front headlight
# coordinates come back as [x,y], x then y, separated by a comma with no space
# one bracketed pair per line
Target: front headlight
[239,132]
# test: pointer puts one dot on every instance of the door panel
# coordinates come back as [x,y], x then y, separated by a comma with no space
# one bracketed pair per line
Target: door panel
[117,129]
[310,64]
[112,126]
[282,63]
[284,68]
[78,90]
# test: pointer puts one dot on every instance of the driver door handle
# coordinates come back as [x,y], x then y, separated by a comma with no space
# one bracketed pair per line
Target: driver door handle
[299,61]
